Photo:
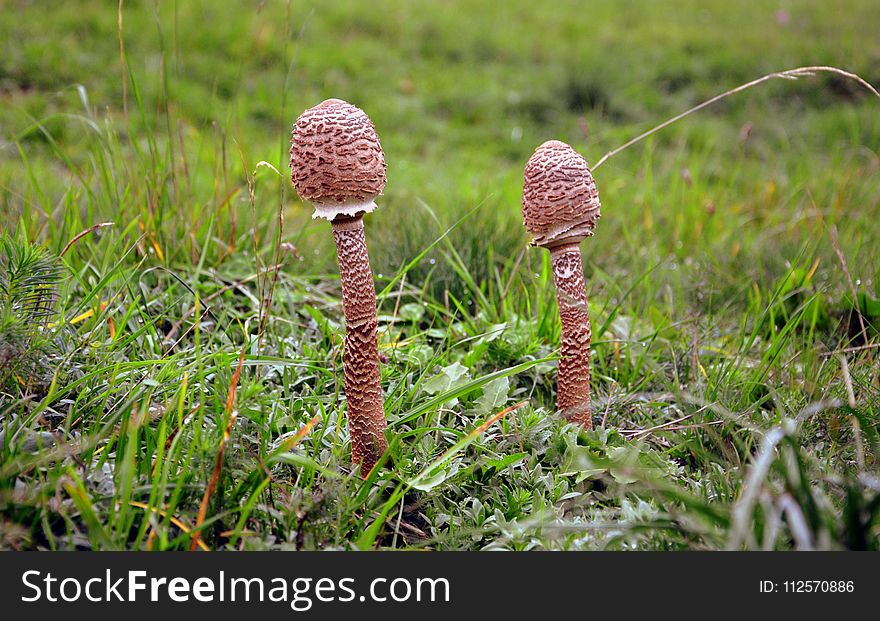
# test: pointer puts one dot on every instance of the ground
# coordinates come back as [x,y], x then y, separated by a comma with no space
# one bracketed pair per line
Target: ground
[182,387]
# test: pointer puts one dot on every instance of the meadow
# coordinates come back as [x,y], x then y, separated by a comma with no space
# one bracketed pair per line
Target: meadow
[172,379]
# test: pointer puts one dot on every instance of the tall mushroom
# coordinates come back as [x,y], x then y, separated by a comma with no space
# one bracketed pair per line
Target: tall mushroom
[337,163]
[560,207]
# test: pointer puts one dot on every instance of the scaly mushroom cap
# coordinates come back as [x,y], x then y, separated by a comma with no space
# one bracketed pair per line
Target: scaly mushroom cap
[336,160]
[560,203]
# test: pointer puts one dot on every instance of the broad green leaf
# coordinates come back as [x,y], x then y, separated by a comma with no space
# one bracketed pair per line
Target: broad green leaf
[495,395]
[449,378]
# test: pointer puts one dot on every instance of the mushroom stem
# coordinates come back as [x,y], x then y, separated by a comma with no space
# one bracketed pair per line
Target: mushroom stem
[360,358]
[573,384]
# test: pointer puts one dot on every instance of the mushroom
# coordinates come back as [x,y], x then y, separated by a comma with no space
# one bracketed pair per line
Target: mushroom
[337,164]
[560,207]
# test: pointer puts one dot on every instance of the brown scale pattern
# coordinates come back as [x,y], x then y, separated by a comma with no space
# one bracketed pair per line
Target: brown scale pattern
[363,388]
[573,383]
[335,154]
[560,202]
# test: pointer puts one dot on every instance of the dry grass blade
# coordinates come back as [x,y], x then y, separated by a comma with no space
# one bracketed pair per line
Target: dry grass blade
[608,404]
[634,433]
[851,401]
[390,328]
[82,234]
[791,74]
[218,464]
[850,350]
[491,421]
[176,521]
[291,442]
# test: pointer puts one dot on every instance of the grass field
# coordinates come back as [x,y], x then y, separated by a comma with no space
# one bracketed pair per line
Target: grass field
[734,278]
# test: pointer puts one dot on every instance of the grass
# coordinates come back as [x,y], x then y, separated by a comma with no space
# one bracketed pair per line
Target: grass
[186,392]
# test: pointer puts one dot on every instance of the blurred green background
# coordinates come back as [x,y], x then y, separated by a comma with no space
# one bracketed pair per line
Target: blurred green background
[461,93]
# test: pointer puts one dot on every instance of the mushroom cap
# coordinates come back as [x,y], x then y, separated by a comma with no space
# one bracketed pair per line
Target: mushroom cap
[560,203]
[336,160]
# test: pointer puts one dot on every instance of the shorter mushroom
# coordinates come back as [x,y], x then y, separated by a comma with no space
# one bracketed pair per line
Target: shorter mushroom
[337,163]
[560,207]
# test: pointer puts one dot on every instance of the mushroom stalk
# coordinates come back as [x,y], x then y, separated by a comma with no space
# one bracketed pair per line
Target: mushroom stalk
[560,208]
[360,358]
[573,384]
